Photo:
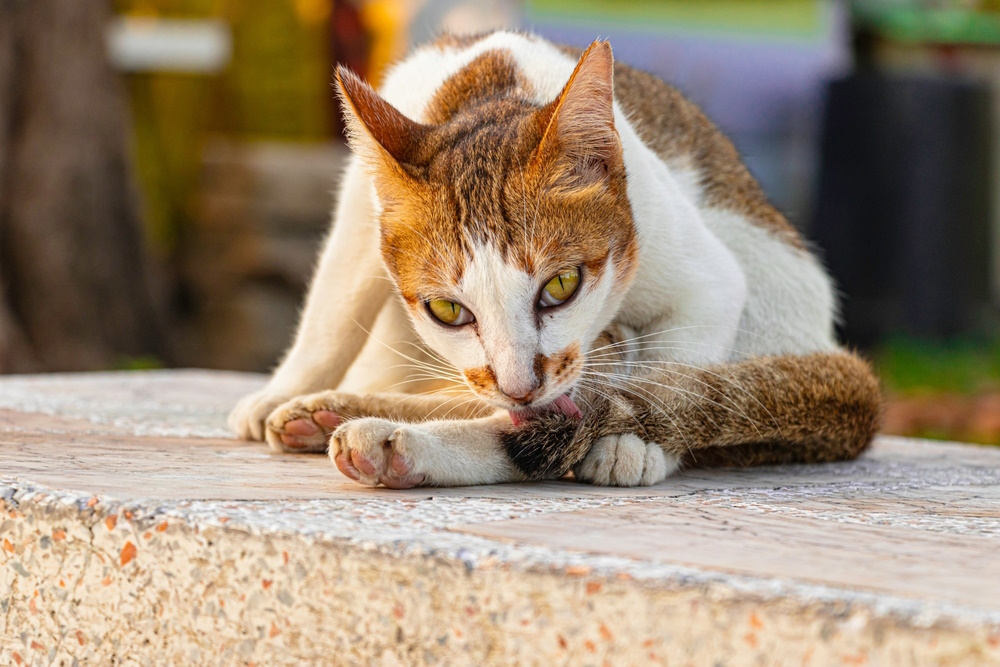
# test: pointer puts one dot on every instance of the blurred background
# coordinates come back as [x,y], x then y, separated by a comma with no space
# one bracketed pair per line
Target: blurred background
[167,166]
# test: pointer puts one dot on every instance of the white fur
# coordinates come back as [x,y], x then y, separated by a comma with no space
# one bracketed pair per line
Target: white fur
[444,453]
[711,285]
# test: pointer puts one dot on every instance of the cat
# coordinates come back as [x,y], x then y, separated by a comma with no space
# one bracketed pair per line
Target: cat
[543,261]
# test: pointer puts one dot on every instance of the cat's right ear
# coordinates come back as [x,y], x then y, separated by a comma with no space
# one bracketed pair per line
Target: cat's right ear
[387,141]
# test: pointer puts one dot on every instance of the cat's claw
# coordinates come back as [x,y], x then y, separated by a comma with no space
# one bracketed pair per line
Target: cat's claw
[625,460]
[376,451]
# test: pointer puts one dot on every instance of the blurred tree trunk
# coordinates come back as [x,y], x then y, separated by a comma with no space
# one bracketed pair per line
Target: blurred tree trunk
[75,281]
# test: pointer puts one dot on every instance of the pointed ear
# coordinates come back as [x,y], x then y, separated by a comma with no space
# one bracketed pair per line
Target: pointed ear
[580,141]
[379,133]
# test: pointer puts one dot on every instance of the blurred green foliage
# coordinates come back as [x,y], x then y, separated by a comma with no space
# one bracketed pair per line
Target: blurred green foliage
[792,18]
[937,22]
[911,366]
[140,363]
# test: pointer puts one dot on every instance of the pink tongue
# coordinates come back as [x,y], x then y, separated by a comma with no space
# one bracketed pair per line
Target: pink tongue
[563,404]
[568,407]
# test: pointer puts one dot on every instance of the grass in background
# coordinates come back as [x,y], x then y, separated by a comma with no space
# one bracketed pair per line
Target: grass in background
[140,363]
[916,367]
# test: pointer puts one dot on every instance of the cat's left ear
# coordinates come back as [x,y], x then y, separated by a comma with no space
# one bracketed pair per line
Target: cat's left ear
[387,141]
[580,145]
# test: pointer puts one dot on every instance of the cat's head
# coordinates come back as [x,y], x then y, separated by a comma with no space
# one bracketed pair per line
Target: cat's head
[506,226]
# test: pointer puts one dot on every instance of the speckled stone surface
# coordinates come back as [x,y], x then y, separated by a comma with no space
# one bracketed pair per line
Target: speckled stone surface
[135,531]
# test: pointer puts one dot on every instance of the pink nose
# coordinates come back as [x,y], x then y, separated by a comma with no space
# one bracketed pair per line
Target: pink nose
[522,393]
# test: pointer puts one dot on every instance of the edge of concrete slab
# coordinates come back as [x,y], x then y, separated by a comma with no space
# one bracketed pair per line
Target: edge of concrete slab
[94,580]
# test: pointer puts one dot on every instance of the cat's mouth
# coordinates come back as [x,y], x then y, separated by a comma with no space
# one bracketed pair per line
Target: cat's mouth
[564,405]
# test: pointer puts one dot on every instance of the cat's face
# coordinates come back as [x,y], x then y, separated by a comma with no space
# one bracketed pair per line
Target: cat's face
[506,227]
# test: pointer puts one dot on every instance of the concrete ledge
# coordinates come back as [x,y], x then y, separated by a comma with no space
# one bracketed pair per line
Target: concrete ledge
[134,531]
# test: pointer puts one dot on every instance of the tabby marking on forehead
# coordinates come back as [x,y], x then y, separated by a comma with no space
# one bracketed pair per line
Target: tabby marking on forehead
[491,76]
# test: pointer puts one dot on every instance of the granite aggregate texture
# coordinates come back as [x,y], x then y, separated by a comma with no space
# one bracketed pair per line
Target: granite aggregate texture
[135,531]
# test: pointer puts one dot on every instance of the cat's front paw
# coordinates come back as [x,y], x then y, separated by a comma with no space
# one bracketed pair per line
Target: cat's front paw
[304,424]
[625,460]
[376,451]
[248,417]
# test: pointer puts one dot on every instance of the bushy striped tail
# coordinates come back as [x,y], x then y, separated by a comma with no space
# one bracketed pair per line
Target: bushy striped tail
[787,409]
[808,409]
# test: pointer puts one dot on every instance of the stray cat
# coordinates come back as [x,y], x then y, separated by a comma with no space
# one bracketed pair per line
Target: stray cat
[543,261]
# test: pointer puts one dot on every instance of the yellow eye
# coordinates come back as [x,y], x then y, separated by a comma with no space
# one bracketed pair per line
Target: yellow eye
[449,312]
[560,287]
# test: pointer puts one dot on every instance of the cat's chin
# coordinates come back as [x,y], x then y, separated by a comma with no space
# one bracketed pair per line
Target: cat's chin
[564,405]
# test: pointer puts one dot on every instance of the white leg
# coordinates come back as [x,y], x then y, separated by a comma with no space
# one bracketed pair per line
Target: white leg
[393,357]
[437,453]
[348,291]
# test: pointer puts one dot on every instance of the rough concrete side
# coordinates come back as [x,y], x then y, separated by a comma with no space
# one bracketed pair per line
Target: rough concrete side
[94,583]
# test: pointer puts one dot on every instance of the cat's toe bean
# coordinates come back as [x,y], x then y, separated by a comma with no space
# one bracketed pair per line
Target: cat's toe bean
[328,419]
[376,451]
[362,463]
[399,474]
[297,444]
[407,443]
[398,465]
[344,465]
[298,435]
[301,427]
[406,482]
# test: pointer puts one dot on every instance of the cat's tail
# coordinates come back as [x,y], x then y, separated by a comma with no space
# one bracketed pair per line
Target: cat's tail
[786,409]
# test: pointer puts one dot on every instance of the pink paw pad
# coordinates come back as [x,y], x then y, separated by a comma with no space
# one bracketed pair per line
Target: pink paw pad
[303,427]
[327,419]
[362,464]
[399,465]
[345,466]
[294,442]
